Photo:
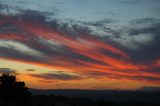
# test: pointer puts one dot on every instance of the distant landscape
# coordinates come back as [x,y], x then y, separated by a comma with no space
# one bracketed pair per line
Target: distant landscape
[106,95]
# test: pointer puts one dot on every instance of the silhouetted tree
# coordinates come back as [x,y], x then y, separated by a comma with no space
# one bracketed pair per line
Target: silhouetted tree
[12,92]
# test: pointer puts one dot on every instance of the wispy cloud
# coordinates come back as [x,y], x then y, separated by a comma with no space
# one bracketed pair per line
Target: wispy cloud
[60,76]
[7,70]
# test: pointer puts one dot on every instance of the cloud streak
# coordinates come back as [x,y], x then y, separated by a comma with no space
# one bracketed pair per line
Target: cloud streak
[7,70]
[60,76]
[29,37]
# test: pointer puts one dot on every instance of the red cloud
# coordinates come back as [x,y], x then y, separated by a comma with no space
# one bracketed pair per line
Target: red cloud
[119,67]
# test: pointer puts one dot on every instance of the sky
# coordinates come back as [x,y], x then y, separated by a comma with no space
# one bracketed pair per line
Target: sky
[81,44]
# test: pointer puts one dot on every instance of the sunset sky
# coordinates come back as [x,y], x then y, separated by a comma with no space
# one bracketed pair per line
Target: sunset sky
[81,44]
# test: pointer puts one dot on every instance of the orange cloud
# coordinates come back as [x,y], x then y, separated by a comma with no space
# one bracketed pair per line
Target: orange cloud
[83,54]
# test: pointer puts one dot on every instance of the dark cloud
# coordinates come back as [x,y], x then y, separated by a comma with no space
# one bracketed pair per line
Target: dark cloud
[59,76]
[7,70]
[102,74]
[146,78]
[75,30]
[144,21]
[2,6]
[153,28]
[31,70]
[37,16]
[101,23]
[8,28]
[140,78]
[14,54]
[151,51]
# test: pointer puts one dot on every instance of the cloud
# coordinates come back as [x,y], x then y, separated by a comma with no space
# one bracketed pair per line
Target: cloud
[134,42]
[31,70]
[20,48]
[135,77]
[7,70]
[150,44]
[75,46]
[139,34]
[147,25]
[17,7]
[60,76]
[96,74]
[147,78]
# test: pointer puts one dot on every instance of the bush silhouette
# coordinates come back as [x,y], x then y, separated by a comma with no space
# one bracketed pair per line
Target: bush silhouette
[12,92]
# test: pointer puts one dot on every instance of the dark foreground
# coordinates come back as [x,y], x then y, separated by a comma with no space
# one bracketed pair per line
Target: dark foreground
[86,98]
[94,98]
[41,100]
[15,93]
